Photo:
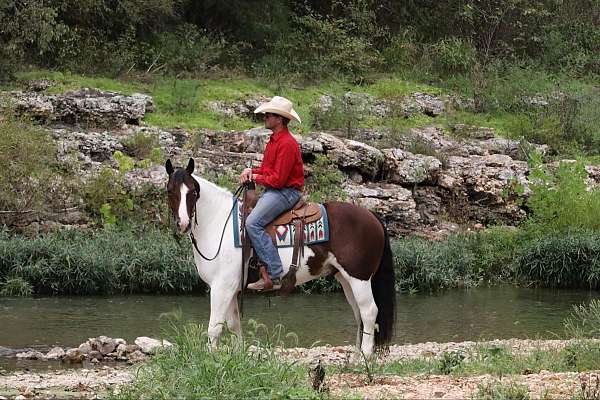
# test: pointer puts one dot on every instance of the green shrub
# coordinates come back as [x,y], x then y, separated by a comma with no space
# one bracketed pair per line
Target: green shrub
[182,97]
[571,47]
[450,361]
[106,195]
[318,48]
[402,52]
[132,260]
[141,145]
[110,200]
[560,199]
[344,114]
[461,260]
[31,182]
[453,55]
[581,355]
[324,181]
[561,259]
[16,287]
[187,49]
[427,266]
[499,391]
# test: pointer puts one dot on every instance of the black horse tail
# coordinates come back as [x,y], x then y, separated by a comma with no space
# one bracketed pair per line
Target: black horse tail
[383,285]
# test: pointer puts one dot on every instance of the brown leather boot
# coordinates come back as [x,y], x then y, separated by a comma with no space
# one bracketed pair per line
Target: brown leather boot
[265,283]
[268,284]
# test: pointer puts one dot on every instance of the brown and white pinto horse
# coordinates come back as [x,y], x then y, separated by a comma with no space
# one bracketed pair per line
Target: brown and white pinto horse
[358,254]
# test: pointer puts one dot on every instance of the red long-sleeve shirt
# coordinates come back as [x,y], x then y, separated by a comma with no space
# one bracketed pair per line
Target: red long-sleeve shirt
[282,164]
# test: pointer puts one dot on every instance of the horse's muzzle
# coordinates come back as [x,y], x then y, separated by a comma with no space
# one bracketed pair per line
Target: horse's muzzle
[184,228]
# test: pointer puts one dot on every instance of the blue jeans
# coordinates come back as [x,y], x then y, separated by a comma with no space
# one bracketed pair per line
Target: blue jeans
[272,203]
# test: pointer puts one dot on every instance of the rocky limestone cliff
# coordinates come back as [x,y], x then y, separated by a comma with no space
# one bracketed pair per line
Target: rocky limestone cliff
[457,184]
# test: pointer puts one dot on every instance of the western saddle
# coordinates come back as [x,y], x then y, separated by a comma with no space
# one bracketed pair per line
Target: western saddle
[301,214]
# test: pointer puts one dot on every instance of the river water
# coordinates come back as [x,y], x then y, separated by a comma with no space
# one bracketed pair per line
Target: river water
[454,315]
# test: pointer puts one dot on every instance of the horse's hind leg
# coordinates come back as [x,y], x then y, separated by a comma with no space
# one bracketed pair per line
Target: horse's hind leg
[352,302]
[368,310]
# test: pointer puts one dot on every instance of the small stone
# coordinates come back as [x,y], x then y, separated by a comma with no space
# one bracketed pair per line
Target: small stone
[121,352]
[56,353]
[149,345]
[137,356]
[20,397]
[130,348]
[74,356]
[85,348]
[95,354]
[30,355]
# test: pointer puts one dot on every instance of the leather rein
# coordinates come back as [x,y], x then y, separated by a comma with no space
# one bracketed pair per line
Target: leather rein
[193,239]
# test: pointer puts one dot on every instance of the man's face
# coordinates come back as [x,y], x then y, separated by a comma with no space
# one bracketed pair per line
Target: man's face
[272,120]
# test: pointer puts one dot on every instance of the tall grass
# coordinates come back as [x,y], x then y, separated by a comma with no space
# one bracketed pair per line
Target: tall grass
[460,261]
[584,321]
[100,262]
[237,369]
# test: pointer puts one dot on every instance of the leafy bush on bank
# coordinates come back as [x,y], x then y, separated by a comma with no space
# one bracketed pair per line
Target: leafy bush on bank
[32,182]
[460,261]
[147,260]
[561,260]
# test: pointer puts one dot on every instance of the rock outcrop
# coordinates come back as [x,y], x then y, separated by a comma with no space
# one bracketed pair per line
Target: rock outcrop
[428,181]
[86,107]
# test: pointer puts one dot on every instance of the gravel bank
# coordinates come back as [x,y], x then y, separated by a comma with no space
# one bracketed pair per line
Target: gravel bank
[93,382]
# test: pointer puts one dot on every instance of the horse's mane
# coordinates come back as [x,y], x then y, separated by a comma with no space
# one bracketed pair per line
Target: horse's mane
[212,185]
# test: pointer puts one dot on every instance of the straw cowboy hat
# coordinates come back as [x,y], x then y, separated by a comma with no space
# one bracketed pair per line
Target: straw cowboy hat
[280,106]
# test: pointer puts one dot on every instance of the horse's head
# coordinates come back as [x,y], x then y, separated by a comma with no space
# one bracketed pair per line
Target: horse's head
[183,192]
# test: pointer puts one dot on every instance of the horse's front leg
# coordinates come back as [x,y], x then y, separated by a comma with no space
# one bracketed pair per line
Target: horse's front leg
[221,297]
[233,317]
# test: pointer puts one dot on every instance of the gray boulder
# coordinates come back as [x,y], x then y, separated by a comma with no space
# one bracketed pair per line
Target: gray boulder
[403,167]
[242,108]
[350,154]
[393,202]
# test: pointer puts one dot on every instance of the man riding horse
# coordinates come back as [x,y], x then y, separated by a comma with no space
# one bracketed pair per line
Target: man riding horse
[282,174]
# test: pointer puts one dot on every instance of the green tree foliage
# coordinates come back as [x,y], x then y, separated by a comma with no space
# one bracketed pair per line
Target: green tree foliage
[191,36]
[320,47]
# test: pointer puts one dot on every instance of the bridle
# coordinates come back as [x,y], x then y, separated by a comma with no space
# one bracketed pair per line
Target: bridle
[194,214]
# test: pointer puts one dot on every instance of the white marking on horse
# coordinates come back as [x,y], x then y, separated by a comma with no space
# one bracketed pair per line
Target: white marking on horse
[363,299]
[184,219]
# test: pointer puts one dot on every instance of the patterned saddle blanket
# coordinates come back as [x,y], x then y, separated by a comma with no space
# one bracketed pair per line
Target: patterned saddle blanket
[314,232]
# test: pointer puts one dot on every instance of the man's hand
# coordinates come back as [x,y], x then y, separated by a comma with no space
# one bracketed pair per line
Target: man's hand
[246,175]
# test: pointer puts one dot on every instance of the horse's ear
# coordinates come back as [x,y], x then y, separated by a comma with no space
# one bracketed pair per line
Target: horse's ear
[169,167]
[190,167]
